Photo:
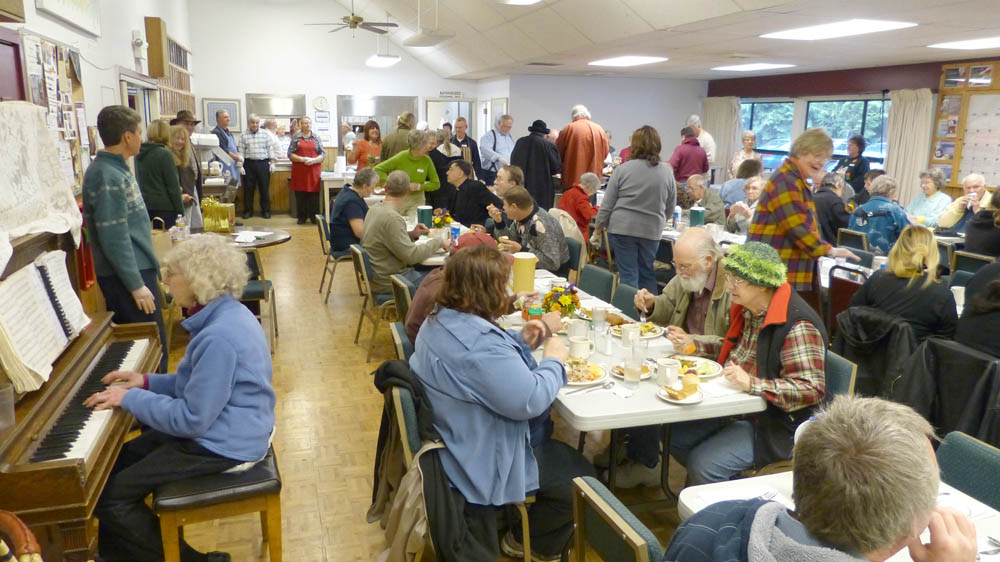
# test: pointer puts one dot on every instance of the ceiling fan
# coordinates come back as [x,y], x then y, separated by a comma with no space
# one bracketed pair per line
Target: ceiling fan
[355,22]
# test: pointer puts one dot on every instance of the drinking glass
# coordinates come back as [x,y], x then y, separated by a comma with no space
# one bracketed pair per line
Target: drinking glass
[634,360]
[599,314]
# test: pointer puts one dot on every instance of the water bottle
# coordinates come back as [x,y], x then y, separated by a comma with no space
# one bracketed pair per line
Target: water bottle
[182,228]
[677,217]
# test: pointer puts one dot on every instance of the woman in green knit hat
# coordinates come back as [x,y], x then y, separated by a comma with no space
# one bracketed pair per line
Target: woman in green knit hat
[776,349]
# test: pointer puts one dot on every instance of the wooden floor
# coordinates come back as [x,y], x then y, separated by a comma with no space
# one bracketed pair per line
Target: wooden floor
[327,419]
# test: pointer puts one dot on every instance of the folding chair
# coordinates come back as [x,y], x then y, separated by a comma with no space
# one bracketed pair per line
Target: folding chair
[402,293]
[260,289]
[606,525]
[404,347]
[624,300]
[597,282]
[333,257]
[969,261]
[852,239]
[577,258]
[375,305]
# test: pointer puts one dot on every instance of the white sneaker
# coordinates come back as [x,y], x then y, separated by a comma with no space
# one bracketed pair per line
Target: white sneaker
[637,474]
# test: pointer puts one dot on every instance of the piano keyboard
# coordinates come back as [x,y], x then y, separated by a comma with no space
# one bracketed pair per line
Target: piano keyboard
[78,428]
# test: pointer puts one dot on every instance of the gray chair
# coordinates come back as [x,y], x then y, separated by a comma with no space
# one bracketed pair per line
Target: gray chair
[597,282]
[402,293]
[960,278]
[333,257]
[375,306]
[577,258]
[624,300]
[971,466]
[840,376]
[852,239]
[608,527]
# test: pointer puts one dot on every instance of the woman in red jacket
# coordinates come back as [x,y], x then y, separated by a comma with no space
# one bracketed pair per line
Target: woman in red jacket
[576,202]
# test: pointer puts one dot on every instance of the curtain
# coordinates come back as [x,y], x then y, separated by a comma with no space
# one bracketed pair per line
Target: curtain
[909,139]
[721,118]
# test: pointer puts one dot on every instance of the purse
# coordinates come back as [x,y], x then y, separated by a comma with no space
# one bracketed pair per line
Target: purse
[161,239]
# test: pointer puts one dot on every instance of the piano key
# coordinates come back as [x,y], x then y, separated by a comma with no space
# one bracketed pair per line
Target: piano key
[79,428]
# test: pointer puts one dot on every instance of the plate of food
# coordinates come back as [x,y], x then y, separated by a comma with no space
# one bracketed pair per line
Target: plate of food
[619,371]
[685,392]
[647,330]
[704,368]
[582,372]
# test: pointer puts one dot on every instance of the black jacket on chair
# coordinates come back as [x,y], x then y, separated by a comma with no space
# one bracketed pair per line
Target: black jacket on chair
[877,342]
[831,214]
[954,386]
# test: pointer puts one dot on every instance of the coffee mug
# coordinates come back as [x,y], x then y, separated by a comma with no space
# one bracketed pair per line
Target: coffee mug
[667,371]
[425,215]
[578,328]
[630,333]
[697,216]
[580,347]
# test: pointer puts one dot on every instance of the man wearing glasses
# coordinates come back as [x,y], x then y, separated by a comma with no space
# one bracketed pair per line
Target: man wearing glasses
[694,302]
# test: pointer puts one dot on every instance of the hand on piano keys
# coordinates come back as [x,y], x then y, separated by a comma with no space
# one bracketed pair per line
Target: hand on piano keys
[127,379]
[106,399]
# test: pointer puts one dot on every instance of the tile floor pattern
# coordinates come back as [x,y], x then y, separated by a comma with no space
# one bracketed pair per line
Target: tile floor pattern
[327,418]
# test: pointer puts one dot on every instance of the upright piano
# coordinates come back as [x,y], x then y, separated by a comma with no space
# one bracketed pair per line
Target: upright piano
[56,458]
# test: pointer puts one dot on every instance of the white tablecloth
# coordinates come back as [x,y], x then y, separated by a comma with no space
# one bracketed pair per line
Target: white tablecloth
[695,498]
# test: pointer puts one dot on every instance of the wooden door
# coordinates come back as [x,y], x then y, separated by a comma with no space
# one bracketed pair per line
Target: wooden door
[11,73]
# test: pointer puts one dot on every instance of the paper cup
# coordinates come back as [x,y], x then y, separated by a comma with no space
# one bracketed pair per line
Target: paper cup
[580,348]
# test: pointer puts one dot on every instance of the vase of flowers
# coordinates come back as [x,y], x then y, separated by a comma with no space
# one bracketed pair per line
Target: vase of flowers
[563,300]
[442,218]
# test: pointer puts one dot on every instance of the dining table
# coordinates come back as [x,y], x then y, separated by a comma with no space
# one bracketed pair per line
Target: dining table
[778,487]
[617,408]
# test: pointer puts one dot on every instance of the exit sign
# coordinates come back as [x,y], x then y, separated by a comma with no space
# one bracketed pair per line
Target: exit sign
[450,95]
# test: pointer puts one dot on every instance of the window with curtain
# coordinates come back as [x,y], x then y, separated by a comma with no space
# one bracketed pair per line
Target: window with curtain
[845,118]
[772,123]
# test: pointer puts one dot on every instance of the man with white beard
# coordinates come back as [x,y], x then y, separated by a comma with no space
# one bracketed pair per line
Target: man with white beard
[695,301]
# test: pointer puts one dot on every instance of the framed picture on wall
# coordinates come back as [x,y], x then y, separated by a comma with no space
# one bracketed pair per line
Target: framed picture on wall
[980,76]
[944,150]
[211,106]
[954,77]
[84,14]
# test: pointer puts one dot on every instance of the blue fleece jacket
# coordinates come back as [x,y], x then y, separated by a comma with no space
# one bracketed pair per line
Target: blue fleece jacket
[221,395]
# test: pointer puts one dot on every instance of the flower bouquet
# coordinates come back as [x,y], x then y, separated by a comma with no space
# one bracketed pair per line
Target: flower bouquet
[563,300]
[442,218]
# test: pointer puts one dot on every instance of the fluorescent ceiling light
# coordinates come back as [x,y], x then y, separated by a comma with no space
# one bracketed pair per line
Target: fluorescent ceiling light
[427,38]
[518,2]
[382,61]
[753,66]
[627,60]
[838,29]
[970,44]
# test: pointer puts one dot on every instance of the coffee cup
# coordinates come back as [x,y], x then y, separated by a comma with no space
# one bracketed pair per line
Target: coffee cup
[580,347]
[667,371]
[578,328]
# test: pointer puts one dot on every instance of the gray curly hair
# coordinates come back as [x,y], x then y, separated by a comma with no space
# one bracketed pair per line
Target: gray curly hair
[212,265]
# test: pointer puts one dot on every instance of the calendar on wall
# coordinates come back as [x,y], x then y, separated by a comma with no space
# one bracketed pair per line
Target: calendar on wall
[981,146]
[967,124]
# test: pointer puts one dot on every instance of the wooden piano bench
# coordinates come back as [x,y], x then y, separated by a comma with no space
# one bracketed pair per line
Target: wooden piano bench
[217,496]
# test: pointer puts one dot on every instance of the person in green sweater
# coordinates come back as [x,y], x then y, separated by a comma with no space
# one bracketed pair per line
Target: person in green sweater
[118,225]
[417,164]
[157,175]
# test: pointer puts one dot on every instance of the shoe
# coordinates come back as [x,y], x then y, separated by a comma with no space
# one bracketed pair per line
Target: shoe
[216,556]
[637,474]
[300,221]
[601,459]
[514,549]
[247,214]
[267,214]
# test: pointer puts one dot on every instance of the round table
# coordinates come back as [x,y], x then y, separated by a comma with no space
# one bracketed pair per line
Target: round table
[273,237]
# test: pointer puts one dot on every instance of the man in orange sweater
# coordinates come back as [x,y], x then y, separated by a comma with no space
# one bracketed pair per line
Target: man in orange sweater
[583,145]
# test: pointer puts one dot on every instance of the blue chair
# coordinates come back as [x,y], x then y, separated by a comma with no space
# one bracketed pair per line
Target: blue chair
[971,466]
[852,239]
[261,290]
[665,254]
[375,305]
[597,282]
[607,526]
[402,293]
[333,257]
[404,347]
[969,261]
[960,278]
[840,376]
[576,257]
[945,251]
[624,300]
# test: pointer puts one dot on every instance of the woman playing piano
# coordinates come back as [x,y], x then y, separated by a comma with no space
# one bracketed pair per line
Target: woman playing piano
[214,413]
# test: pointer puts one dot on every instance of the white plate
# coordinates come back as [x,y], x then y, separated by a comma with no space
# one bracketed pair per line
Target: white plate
[657,332]
[716,369]
[693,399]
[642,377]
[602,378]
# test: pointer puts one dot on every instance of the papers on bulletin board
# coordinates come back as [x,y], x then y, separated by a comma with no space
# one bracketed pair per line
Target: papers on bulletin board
[322,125]
[981,149]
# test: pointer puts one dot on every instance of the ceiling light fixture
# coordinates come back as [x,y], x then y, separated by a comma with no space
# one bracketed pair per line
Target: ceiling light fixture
[518,2]
[382,61]
[970,44]
[428,37]
[838,29]
[753,66]
[627,60]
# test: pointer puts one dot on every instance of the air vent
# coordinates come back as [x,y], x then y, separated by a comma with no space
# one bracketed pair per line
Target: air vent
[544,64]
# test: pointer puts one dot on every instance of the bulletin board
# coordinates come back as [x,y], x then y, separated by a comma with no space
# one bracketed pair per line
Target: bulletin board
[967,124]
[54,82]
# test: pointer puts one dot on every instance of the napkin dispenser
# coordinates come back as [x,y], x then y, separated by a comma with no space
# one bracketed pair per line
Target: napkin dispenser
[524,272]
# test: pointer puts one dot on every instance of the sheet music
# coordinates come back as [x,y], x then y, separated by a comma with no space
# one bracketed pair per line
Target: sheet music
[29,321]
[54,264]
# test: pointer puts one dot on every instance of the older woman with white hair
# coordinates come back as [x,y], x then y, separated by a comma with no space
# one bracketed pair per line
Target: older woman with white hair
[576,202]
[747,153]
[417,165]
[215,413]
[928,206]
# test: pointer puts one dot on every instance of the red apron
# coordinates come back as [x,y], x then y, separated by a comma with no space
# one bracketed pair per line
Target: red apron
[306,178]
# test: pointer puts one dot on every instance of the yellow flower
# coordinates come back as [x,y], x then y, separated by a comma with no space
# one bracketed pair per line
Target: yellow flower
[565,300]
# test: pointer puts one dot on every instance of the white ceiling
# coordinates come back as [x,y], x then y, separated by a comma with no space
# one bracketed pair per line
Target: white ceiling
[496,40]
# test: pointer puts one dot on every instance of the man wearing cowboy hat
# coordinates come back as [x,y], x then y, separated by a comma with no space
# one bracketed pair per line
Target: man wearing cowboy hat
[539,159]
[188,120]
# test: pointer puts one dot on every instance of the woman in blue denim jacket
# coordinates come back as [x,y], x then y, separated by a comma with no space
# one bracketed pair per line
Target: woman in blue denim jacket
[881,218]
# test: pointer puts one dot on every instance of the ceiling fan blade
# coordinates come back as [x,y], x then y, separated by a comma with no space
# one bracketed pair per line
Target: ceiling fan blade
[382,24]
[337,29]
[369,27]
[336,23]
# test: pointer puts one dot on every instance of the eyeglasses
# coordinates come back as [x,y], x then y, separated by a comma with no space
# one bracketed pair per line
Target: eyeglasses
[734,282]
[687,267]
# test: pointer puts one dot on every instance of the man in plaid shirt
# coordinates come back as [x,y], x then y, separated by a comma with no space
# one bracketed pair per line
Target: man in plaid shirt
[257,146]
[776,349]
[786,215]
